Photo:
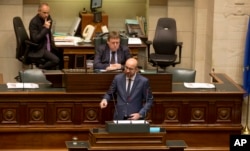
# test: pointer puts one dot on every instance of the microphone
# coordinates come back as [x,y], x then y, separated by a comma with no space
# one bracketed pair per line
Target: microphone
[145,115]
[146,101]
[116,112]
[212,78]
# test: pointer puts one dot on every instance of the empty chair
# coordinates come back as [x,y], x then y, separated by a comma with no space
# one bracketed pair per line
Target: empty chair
[165,45]
[33,76]
[182,75]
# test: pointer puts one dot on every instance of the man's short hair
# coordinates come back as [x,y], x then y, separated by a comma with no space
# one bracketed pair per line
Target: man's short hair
[113,35]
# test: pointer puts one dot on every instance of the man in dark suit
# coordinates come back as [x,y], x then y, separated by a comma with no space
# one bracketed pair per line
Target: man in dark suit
[40,33]
[134,98]
[103,57]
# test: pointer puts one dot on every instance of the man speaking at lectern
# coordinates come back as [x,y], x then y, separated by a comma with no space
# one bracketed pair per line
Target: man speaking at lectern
[133,92]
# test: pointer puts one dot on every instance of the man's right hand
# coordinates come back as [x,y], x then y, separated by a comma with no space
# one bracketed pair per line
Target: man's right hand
[103,103]
[47,23]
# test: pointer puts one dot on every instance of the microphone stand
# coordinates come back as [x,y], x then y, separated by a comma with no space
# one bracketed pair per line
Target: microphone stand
[246,129]
[115,107]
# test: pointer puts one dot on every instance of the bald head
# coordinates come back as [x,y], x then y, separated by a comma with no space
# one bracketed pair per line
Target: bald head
[131,67]
[132,62]
[43,10]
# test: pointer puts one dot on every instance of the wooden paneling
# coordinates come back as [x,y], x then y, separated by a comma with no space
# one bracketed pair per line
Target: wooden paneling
[47,117]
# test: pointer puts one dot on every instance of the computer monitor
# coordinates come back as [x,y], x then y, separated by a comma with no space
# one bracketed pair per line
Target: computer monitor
[94,4]
[74,28]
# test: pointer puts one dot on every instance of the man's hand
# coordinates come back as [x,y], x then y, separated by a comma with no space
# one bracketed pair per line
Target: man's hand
[47,23]
[134,116]
[116,66]
[103,103]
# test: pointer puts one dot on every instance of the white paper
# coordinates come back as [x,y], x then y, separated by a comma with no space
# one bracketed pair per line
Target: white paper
[139,121]
[130,121]
[67,40]
[132,41]
[199,85]
[64,43]
[22,85]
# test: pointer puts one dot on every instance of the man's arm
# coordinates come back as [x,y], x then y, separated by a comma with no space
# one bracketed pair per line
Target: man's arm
[148,97]
[99,55]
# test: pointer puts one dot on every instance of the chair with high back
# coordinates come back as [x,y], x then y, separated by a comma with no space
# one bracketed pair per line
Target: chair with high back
[165,45]
[182,74]
[23,44]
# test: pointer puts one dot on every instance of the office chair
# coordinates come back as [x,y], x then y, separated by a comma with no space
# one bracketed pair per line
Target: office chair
[23,44]
[165,45]
[33,76]
[182,75]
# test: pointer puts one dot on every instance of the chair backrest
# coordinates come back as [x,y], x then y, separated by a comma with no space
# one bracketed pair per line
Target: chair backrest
[165,38]
[182,75]
[102,39]
[21,37]
[33,76]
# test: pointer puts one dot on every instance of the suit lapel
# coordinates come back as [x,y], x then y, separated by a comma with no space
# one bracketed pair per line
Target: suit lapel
[107,55]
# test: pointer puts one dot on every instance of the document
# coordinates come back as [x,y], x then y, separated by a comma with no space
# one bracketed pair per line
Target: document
[130,122]
[67,40]
[134,40]
[22,85]
[199,85]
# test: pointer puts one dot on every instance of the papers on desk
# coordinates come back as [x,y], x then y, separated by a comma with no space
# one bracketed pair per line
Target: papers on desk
[67,40]
[199,85]
[103,70]
[130,122]
[64,43]
[22,85]
[134,41]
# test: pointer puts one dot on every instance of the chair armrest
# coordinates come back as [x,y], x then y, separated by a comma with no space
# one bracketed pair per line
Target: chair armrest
[179,45]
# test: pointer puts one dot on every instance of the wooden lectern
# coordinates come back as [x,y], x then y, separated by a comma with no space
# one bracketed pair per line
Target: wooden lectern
[100,139]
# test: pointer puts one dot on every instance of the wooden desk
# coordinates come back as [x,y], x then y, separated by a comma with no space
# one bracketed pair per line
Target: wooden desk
[88,49]
[47,117]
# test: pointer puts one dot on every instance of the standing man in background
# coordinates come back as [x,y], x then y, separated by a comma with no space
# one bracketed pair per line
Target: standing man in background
[134,96]
[40,33]
[111,56]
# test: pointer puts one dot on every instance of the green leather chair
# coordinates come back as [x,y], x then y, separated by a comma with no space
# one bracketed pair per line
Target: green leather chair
[33,76]
[182,74]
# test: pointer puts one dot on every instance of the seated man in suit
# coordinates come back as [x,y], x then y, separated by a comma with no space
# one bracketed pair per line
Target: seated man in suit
[111,56]
[40,33]
[133,92]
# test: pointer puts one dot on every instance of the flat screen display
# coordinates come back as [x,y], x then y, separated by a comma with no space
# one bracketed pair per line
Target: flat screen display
[94,4]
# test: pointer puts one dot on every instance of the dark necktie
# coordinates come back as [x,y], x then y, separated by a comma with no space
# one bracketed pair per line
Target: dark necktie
[128,88]
[112,61]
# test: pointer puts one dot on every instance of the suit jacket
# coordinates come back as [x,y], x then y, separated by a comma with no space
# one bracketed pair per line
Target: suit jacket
[140,100]
[38,36]
[102,56]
